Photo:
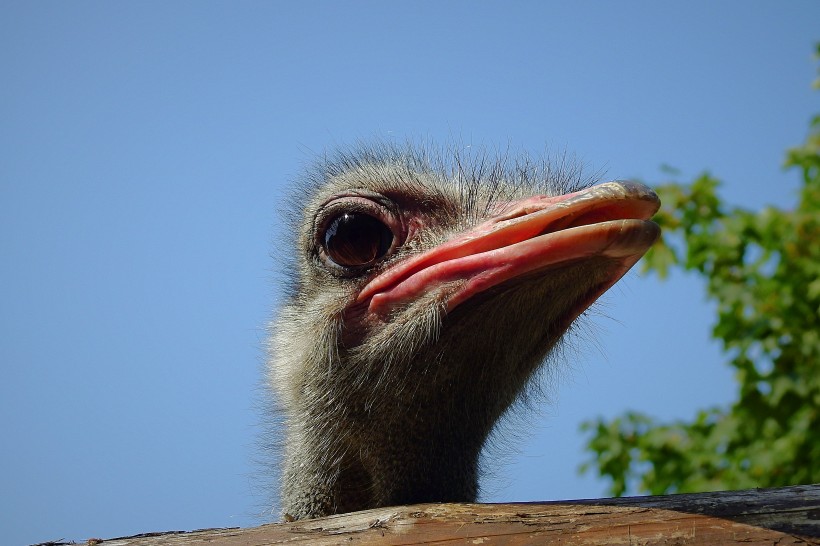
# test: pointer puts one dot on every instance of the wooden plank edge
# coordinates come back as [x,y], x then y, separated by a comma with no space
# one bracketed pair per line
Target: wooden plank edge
[785,515]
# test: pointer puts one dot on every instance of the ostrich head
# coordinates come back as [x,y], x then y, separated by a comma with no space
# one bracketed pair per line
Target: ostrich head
[424,294]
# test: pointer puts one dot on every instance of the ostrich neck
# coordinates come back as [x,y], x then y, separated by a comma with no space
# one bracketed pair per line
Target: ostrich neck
[421,457]
[365,434]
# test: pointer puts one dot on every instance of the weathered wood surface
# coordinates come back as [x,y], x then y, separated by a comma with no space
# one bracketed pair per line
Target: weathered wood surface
[788,515]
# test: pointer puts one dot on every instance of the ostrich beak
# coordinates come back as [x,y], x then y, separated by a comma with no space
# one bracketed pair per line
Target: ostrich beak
[529,236]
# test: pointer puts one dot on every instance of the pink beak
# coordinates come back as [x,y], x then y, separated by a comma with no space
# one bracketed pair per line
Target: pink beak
[610,220]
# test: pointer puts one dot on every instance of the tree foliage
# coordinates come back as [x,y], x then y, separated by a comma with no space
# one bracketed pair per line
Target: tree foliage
[762,268]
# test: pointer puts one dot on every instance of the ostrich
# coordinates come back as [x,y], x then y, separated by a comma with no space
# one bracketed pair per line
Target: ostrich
[424,295]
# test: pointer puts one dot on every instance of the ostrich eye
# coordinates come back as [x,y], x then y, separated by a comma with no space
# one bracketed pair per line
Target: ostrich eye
[355,239]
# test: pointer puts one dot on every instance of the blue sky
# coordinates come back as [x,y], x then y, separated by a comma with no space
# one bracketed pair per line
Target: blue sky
[146,148]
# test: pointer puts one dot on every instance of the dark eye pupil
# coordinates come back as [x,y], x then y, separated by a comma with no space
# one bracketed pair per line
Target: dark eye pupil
[355,239]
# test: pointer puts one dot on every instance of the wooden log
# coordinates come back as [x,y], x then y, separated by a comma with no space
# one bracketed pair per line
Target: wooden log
[787,515]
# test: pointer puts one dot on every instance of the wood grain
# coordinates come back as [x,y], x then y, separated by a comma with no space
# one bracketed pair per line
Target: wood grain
[782,516]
